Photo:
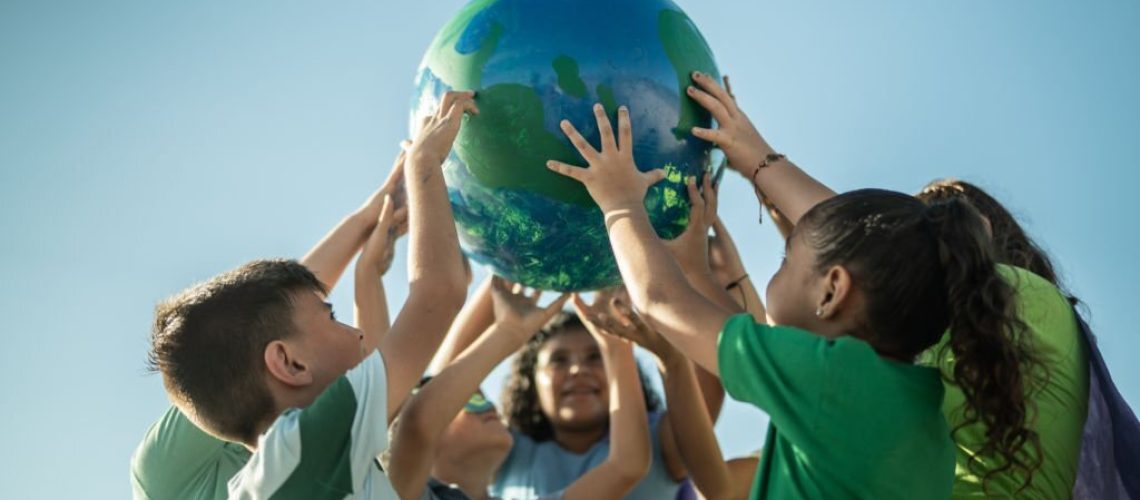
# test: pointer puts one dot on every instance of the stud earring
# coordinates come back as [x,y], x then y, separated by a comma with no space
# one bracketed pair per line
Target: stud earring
[819,312]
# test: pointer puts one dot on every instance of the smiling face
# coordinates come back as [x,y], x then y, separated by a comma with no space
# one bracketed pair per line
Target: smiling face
[570,378]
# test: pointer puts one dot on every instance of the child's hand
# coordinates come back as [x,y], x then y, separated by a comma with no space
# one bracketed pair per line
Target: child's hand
[437,132]
[611,318]
[518,311]
[380,248]
[735,134]
[612,178]
[724,259]
[393,186]
[691,248]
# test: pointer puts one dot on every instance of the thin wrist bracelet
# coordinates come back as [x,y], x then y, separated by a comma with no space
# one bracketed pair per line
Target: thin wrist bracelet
[768,161]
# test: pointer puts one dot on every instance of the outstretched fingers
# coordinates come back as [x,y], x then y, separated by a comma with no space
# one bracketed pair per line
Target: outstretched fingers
[580,143]
[625,131]
[696,201]
[711,87]
[713,135]
[449,99]
[579,174]
[710,102]
[710,196]
[555,307]
[464,104]
[605,129]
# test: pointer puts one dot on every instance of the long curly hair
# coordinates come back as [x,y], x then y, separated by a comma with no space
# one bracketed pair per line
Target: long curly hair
[1012,245]
[520,395]
[946,278]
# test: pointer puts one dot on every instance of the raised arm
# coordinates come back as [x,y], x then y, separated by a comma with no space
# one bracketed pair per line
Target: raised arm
[658,288]
[689,424]
[475,317]
[330,256]
[516,318]
[437,280]
[375,259]
[728,268]
[630,450]
[791,190]
[693,430]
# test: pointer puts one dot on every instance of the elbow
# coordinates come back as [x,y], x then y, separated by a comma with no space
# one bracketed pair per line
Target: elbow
[719,489]
[412,426]
[446,298]
[631,471]
[649,300]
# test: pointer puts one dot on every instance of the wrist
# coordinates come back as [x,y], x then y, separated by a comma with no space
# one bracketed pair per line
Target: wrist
[751,157]
[618,207]
[364,217]
[422,157]
[514,331]
[670,359]
[616,348]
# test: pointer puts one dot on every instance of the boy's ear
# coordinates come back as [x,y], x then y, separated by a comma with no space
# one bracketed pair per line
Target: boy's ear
[837,293]
[284,364]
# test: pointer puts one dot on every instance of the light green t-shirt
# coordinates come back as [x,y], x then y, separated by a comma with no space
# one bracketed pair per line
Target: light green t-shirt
[327,450]
[1061,405]
[845,422]
[177,460]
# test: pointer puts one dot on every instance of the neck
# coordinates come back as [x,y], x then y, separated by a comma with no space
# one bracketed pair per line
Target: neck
[473,476]
[579,440]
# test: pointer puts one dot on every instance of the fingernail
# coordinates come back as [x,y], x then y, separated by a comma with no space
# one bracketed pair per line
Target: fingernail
[696,75]
[564,123]
[690,90]
[598,107]
[623,109]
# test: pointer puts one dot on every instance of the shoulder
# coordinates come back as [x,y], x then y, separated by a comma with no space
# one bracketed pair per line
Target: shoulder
[1043,308]
[743,336]
[175,455]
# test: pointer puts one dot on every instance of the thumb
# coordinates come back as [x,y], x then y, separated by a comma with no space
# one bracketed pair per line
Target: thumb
[654,176]
[556,306]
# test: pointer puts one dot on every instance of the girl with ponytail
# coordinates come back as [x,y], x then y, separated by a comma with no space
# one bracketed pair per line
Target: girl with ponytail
[1093,457]
[870,280]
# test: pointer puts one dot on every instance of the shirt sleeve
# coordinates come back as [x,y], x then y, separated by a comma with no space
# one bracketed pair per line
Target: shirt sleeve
[780,370]
[176,459]
[327,449]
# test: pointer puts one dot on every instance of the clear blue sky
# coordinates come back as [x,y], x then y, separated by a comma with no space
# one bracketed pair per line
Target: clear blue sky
[147,145]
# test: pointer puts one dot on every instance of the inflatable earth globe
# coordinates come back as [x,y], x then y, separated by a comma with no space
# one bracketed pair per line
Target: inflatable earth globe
[533,63]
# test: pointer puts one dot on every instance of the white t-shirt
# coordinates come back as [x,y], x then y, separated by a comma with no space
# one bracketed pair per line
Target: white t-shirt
[328,449]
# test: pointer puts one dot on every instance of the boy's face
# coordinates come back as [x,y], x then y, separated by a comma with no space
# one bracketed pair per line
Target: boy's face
[328,347]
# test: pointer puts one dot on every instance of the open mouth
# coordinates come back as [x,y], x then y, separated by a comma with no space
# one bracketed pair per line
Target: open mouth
[581,391]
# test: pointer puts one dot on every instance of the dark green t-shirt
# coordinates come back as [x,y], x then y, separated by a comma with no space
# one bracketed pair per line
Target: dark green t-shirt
[845,422]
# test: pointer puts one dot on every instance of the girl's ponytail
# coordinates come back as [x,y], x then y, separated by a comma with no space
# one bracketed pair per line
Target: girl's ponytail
[993,360]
